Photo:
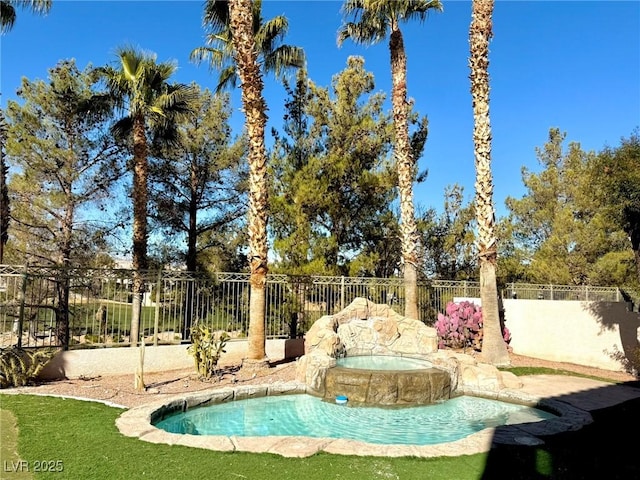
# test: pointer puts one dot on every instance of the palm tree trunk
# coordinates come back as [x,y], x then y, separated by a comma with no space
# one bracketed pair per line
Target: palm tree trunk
[140,198]
[494,349]
[405,165]
[241,22]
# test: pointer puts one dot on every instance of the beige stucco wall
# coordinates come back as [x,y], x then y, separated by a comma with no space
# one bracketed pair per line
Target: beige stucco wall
[124,360]
[598,334]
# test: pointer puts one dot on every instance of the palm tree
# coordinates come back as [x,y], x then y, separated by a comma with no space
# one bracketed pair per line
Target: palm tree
[140,86]
[373,20]
[246,58]
[272,57]
[494,349]
[242,46]
[8,11]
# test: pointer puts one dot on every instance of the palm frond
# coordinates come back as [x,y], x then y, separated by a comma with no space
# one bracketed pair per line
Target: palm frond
[159,111]
[116,83]
[351,6]
[418,9]
[8,11]
[257,15]
[422,176]
[362,33]
[36,6]
[216,14]
[165,134]
[220,49]
[7,16]
[213,56]
[228,79]
[122,128]
[156,76]
[222,41]
[131,62]
[271,32]
[283,59]
[372,19]
[178,99]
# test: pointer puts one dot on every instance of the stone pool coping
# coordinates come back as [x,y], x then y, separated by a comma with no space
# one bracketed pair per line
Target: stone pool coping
[136,422]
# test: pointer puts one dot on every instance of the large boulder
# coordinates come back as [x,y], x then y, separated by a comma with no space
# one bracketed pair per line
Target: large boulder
[366,328]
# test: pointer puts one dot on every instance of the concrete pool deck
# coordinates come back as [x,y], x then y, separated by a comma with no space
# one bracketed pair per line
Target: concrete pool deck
[572,398]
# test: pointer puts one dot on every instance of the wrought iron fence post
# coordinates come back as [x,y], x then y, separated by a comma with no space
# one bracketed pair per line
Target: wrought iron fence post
[23,295]
[342,293]
[156,322]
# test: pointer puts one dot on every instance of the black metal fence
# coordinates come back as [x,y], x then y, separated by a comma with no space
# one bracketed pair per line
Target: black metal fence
[96,304]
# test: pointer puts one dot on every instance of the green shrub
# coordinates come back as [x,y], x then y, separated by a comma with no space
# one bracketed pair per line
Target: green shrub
[206,349]
[18,366]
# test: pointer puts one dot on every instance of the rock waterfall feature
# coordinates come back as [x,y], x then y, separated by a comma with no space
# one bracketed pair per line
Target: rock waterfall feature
[366,328]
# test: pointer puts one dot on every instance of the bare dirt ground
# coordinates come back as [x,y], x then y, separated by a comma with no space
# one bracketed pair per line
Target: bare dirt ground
[119,389]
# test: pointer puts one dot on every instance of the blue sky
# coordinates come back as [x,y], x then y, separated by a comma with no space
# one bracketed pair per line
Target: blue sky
[572,65]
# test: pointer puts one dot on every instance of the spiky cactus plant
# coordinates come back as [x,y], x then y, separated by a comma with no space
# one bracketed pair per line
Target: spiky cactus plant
[206,349]
[19,367]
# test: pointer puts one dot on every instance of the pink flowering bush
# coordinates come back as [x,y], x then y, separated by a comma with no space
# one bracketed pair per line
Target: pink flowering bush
[461,326]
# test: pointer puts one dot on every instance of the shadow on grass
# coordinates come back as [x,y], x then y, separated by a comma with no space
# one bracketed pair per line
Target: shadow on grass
[607,448]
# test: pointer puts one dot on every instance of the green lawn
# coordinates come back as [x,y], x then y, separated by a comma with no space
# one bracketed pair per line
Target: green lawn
[82,436]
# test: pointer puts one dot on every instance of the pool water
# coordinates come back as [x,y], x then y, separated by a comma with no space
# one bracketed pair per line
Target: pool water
[379,362]
[306,415]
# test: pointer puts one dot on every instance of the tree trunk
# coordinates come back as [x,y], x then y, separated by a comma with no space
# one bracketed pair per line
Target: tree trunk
[4,193]
[405,164]
[241,22]
[62,310]
[63,282]
[634,235]
[192,232]
[192,255]
[494,349]
[140,198]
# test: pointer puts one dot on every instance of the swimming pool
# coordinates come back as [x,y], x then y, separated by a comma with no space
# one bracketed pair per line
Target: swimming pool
[306,415]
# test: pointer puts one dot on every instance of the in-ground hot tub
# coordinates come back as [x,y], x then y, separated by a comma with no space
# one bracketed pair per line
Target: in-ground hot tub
[387,380]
